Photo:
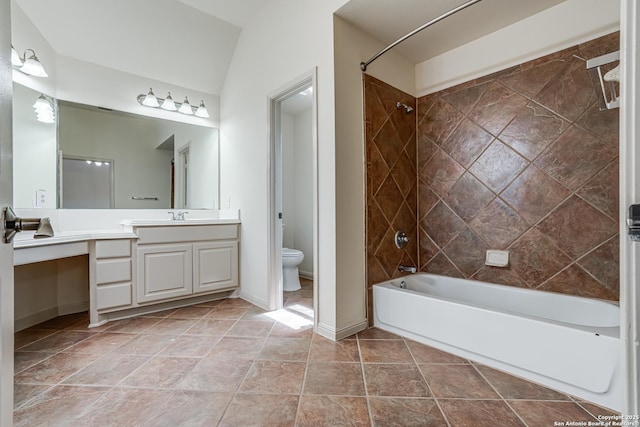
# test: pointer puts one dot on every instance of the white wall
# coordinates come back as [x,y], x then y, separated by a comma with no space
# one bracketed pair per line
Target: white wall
[34,152]
[269,56]
[288,176]
[297,186]
[285,40]
[559,27]
[352,46]
[48,289]
[91,84]
[303,190]
[86,83]
[25,36]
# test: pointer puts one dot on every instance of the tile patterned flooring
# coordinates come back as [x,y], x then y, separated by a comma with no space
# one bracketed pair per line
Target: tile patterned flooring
[229,363]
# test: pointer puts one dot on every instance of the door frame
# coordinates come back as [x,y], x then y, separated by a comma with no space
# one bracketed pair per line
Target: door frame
[629,194]
[274,101]
[6,199]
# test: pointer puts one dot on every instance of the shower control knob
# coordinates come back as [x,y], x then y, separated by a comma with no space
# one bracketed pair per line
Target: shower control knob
[401,239]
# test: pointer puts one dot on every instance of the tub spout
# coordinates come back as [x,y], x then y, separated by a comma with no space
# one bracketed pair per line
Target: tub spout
[406,269]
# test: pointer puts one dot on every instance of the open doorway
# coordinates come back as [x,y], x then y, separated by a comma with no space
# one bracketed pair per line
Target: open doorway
[293,199]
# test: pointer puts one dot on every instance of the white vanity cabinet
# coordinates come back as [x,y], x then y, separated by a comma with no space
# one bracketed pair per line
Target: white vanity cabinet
[185,260]
[113,274]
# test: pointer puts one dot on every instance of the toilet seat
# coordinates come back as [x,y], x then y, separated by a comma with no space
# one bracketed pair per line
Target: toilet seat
[286,252]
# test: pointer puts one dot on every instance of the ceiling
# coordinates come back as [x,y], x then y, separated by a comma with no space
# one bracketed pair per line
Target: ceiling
[175,42]
[166,40]
[389,20]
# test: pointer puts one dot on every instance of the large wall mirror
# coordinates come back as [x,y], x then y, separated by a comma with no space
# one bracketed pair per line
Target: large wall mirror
[95,158]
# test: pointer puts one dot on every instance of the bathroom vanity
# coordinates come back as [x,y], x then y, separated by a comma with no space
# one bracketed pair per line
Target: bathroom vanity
[146,265]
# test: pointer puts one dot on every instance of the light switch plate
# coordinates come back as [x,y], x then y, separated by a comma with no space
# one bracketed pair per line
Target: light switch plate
[41,198]
[497,258]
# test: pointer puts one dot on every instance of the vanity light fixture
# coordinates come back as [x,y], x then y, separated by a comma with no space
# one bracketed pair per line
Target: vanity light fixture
[16,61]
[28,64]
[202,111]
[185,108]
[150,100]
[168,103]
[44,110]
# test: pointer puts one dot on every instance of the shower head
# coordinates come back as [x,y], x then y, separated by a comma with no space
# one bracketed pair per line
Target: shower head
[407,109]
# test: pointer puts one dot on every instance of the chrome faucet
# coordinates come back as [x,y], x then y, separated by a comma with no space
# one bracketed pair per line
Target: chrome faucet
[406,269]
[177,216]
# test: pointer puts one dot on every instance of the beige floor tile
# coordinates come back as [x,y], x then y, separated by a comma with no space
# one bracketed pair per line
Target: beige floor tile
[331,378]
[397,380]
[333,411]
[394,411]
[270,410]
[274,377]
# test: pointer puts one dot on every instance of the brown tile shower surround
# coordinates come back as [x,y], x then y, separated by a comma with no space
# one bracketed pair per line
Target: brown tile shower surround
[520,160]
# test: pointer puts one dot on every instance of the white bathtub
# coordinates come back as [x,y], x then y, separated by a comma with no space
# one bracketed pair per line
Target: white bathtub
[571,344]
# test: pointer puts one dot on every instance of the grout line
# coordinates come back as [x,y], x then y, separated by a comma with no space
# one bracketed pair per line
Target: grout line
[498,393]
[304,380]
[433,396]
[364,380]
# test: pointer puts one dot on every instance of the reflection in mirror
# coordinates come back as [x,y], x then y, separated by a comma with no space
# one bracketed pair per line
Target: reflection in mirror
[87,183]
[142,151]
[34,153]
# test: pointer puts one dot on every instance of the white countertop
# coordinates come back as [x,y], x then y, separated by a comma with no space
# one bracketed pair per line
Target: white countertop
[178,222]
[26,240]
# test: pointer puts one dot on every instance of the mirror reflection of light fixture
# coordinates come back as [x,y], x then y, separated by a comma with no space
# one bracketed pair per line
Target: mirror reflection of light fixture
[97,162]
[150,100]
[28,64]
[44,110]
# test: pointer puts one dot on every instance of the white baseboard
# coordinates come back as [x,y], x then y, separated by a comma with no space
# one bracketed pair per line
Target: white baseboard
[76,307]
[35,318]
[48,314]
[255,301]
[338,334]
[305,274]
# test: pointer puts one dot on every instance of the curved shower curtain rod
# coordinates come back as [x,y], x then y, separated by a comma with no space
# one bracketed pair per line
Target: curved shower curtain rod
[364,65]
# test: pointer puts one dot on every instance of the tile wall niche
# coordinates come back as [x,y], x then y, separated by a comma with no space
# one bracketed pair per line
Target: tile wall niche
[521,160]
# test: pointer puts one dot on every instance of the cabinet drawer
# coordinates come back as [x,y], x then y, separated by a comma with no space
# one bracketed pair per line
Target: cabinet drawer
[113,248]
[110,296]
[113,270]
[186,233]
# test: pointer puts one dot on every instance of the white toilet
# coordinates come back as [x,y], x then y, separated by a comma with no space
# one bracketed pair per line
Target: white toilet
[291,259]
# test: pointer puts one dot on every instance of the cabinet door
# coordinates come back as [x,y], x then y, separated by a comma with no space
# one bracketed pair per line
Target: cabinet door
[164,272]
[215,266]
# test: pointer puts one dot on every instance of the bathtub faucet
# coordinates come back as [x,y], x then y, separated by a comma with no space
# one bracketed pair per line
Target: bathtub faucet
[406,269]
